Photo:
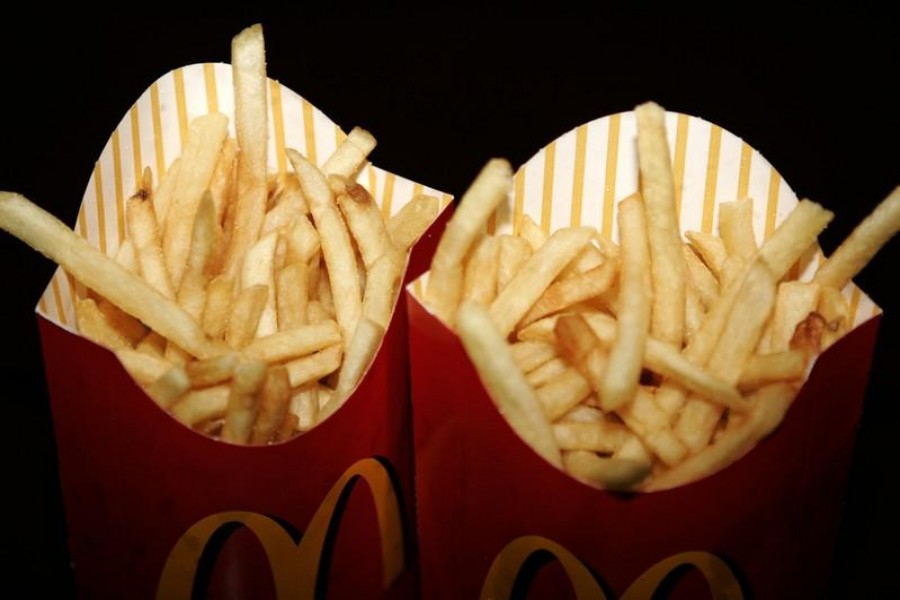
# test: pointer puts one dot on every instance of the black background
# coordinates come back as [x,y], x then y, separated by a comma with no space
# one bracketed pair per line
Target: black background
[817,94]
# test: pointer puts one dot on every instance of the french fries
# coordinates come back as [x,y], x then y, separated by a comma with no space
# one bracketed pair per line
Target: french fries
[662,360]
[246,302]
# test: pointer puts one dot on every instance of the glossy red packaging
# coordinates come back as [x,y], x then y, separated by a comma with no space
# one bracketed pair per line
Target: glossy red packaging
[154,509]
[497,521]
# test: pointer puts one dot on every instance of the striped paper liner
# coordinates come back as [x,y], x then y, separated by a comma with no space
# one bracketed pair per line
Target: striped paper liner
[579,178]
[151,134]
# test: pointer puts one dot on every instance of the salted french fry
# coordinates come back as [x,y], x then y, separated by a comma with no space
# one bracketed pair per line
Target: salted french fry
[862,244]
[834,309]
[292,295]
[198,160]
[274,402]
[795,300]
[243,321]
[315,366]
[546,373]
[94,326]
[218,305]
[305,406]
[169,387]
[303,241]
[503,380]
[531,232]
[143,367]
[126,257]
[693,312]
[793,237]
[212,371]
[581,348]
[445,281]
[513,253]
[205,236]
[145,236]
[162,196]
[700,278]
[623,369]
[480,274]
[127,326]
[599,436]
[221,186]
[765,369]
[605,473]
[658,193]
[363,217]
[578,288]
[293,343]
[243,401]
[562,393]
[409,223]
[359,356]
[536,275]
[650,423]
[152,344]
[350,155]
[290,204]
[736,228]
[337,249]
[808,335]
[530,355]
[383,281]
[710,248]
[289,426]
[257,269]
[203,405]
[248,60]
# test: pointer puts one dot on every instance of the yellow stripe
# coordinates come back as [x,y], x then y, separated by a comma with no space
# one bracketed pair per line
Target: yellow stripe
[101,215]
[547,199]
[417,289]
[57,297]
[136,146]
[82,222]
[76,289]
[339,135]
[278,126]
[446,199]
[855,297]
[212,94]
[875,311]
[492,223]
[42,304]
[519,198]
[387,202]
[712,174]
[181,104]
[681,134]
[744,175]
[772,202]
[418,189]
[609,187]
[157,132]
[309,132]
[578,175]
[117,177]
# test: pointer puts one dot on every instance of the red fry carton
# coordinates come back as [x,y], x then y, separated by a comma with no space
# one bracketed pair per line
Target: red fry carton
[497,521]
[154,509]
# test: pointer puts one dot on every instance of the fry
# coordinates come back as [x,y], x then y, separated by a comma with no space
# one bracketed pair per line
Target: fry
[710,248]
[514,252]
[127,326]
[536,274]
[292,295]
[361,351]
[409,223]
[218,306]
[481,199]
[243,402]
[560,395]
[862,244]
[258,269]
[293,343]
[791,239]
[530,355]
[211,371]
[274,401]
[505,384]
[199,406]
[204,237]
[624,366]
[305,406]
[143,368]
[315,366]
[736,228]
[337,249]
[765,369]
[245,315]
[578,288]
[147,244]
[480,275]
[658,193]
[364,220]
[351,154]
[171,386]
[701,278]
[795,300]
[601,436]
[198,160]
[248,60]
[382,286]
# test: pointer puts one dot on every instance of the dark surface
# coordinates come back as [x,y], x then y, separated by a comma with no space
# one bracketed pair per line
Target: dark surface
[820,102]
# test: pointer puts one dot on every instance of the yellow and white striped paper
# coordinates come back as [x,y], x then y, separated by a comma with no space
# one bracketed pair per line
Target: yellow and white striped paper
[151,134]
[579,178]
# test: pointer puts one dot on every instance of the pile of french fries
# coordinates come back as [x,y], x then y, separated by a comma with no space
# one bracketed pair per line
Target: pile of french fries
[248,305]
[654,362]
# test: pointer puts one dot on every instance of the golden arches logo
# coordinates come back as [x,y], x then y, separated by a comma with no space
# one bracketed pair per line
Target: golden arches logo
[507,566]
[295,566]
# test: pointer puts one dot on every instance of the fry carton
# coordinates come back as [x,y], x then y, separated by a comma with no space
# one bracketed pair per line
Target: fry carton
[497,520]
[155,509]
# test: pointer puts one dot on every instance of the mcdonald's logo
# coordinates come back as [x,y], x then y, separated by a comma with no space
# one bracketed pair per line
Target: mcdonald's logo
[295,566]
[509,563]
